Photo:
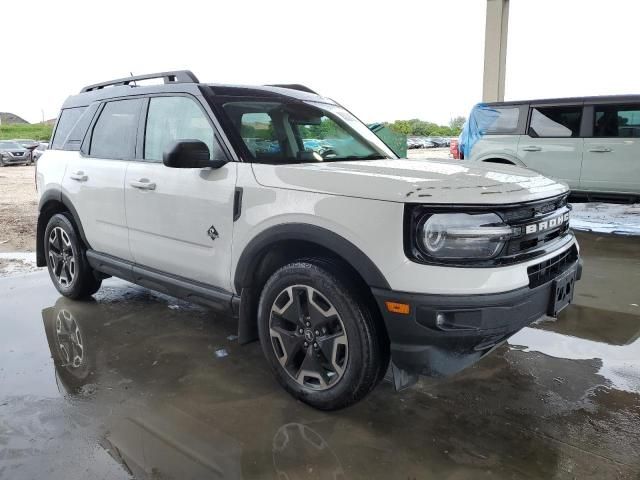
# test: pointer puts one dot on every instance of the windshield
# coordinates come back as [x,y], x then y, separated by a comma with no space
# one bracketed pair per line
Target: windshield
[10,145]
[296,132]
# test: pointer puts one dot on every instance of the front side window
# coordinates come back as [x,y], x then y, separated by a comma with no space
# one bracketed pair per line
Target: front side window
[555,122]
[302,132]
[617,121]
[176,118]
[68,119]
[114,134]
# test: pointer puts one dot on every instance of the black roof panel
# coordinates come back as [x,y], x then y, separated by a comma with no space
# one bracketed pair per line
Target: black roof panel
[186,82]
[573,100]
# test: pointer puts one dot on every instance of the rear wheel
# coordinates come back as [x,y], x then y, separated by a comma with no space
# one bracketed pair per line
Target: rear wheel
[66,259]
[319,336]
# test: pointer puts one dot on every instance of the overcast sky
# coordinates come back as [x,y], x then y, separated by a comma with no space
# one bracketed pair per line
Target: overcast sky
[399,60]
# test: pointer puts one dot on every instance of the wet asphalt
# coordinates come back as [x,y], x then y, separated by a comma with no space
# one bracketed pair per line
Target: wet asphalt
[143,385]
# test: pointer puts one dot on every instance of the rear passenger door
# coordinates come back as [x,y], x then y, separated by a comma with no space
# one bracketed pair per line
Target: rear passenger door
[552,143]
[180,219]
[611,159]
[94,179]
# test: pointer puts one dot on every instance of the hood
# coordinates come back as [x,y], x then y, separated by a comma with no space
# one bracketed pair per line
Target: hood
[414,181]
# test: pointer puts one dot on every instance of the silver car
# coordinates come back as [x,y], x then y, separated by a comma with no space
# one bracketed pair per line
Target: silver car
[12,153]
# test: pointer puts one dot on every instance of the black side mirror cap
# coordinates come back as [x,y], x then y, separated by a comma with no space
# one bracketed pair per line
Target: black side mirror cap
[189,154]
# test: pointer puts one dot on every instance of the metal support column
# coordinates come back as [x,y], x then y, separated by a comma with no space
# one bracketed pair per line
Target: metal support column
[495,50]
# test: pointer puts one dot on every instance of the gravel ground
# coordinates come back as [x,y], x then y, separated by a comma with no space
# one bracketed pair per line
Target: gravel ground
[18,209]
[18,215]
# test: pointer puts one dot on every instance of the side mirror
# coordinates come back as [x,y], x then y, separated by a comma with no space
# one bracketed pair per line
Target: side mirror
[189,154]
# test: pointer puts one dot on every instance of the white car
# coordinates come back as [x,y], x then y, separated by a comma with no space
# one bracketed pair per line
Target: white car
[337,263]
[591,143]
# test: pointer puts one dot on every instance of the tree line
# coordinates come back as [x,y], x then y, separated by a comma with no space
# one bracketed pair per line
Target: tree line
[421,128]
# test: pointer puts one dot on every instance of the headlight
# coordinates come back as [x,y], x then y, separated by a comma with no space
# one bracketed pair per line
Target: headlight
[461,236]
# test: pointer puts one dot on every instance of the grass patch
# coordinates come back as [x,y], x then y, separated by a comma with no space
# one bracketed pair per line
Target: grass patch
[36,131]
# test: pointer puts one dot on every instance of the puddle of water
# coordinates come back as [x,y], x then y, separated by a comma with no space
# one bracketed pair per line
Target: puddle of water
[619,363]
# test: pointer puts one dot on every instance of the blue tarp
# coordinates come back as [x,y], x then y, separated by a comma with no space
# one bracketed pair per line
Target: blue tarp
[481,118]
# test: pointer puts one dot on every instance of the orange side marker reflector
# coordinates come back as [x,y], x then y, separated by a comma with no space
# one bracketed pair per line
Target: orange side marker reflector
[395,307]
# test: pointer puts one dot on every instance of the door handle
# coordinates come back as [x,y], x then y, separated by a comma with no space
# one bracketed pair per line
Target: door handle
[600,150]
[143,184]
[531,148]
[79,176]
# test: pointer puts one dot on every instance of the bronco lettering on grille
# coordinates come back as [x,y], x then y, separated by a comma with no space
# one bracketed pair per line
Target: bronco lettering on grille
[547,224]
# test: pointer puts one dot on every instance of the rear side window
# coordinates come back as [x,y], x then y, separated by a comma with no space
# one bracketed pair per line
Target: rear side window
[617,121]
[68,118]
[114,134]
[176,118]
[505,120]
[555,122]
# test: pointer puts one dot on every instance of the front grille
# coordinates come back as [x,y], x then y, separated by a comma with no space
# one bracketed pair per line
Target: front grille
[534,214]
[532,210]
[17,154]
[546,271]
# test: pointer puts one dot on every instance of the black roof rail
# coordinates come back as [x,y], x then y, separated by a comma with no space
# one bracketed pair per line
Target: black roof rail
[178,76]
[293,86]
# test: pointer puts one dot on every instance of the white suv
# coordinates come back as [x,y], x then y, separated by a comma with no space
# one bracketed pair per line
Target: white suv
[591,143]
[338,259]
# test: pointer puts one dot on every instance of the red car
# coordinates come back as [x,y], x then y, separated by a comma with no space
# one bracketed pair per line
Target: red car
[454,150]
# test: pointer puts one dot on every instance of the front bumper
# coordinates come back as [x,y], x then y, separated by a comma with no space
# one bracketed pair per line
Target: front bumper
[10,159]
[443,334]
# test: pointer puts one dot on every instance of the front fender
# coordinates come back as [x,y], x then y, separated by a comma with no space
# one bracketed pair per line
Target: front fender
[308,233]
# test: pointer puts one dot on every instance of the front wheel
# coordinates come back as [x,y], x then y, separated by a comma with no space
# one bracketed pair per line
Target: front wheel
[66,259]
[320,337]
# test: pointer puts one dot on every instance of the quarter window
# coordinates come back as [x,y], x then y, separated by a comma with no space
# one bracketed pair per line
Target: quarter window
[555,122]
[114,134]
[617,121]
[68,119]
[502,120]
[176,118]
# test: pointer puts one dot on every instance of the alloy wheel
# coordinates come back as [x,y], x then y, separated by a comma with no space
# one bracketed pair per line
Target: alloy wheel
[70,342]
[308,337]
[61,257]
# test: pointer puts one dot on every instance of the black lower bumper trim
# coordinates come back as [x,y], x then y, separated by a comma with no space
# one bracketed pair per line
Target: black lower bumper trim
[444,334]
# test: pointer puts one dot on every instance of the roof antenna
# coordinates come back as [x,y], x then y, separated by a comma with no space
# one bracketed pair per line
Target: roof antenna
[134,81]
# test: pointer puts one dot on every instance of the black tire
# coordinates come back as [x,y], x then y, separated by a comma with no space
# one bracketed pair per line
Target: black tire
[366,354]
[66,259]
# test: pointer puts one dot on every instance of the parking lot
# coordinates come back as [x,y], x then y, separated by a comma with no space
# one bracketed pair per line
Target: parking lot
[135,383]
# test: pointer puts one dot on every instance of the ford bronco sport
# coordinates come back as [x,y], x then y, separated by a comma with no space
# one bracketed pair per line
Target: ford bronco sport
[591,143]
[277,206]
